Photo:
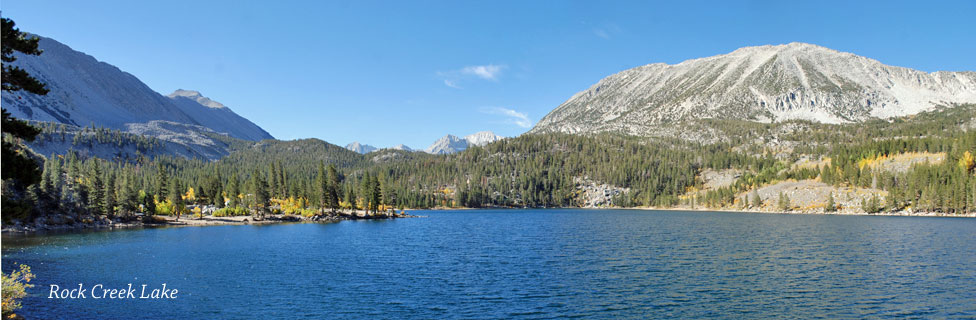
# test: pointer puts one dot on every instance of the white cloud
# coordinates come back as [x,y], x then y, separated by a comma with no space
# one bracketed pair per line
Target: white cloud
[601,33]
[452,84]
[487,72]
[607,31]
[453,78]
[518,118]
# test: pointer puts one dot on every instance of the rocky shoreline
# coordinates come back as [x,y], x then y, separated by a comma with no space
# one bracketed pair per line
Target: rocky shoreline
[64,223]
[903,213]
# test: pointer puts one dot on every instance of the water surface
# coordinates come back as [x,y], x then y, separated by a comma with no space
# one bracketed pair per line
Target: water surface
[521,264]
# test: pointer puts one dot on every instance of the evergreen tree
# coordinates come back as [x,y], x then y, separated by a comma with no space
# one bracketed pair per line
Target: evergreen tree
[110,198]
[351,195]
[322,187]
[162,182]
[332,188]
[375,196]
[15,78]
[96,189]
[272,181]
[784,202]
[259,190]
[148,203]
[175,197]
[831,206]
[17,170]
[756,200]
[365,191]
[129,196]
[234,191]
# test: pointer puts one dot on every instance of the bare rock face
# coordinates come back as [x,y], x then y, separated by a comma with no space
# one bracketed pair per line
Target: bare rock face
[85,92]
[763,84]
[451,143]
[360,148]
[447,144]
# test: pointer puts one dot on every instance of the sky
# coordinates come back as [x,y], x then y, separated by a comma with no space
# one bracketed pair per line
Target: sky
[392,72]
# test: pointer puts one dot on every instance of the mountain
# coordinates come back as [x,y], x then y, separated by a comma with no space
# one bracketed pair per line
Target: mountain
[152,139]
[447,144]
[401,147]
[85,91]
[451,144]
[216,116]
[763,84]
[482,138]
[360,148]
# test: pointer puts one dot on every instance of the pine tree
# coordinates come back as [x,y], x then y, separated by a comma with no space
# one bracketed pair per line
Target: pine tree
[375,195]
[234,191]
[96,189]
[110,197]
[332,187]
[364,191]
[175,197]
[259,189]
[831,206]
[322,187]
[272,182]
[756,200]
[282,182]
[129,196]
[16,166]
[148,203]
[351,195]
[784,202]
[162,182]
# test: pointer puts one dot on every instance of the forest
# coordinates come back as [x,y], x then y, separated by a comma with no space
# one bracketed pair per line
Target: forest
[311,177]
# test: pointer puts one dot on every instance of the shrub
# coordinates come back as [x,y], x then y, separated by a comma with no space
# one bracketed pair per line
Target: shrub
[15,287]
[230,212]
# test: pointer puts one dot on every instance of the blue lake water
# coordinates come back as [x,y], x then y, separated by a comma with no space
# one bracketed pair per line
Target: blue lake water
[520,264]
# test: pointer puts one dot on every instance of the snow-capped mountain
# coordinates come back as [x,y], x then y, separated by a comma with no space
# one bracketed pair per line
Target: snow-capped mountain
[85,91]
[764,84]
[482,138]
[401,147]
[357,147]
[451,143]
[447,144]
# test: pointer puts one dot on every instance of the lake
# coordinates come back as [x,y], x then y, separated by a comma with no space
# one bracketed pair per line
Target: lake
[520,264]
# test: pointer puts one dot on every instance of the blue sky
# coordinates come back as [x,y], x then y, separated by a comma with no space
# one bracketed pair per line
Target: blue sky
[390,72]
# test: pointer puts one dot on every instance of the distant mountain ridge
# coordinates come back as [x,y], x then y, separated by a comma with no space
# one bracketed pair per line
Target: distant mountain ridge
[85,91]
[451,144]
[357,147]
[445,145]
[763,84]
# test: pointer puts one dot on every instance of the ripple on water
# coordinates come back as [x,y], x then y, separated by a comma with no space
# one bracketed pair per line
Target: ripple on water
[524,264]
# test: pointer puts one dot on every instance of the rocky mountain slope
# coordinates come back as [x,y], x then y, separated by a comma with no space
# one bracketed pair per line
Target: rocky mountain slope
[85,91]
[216,116]
[763,84]
[401,147]
[482,138]
[451,143]
[357,147]
[152,139]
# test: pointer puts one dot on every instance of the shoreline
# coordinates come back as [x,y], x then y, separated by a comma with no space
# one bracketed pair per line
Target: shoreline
[190,221]
[798,212]
[836,213]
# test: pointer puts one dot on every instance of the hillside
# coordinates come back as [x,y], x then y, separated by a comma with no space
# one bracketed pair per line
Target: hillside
[796,81]
[85,92]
